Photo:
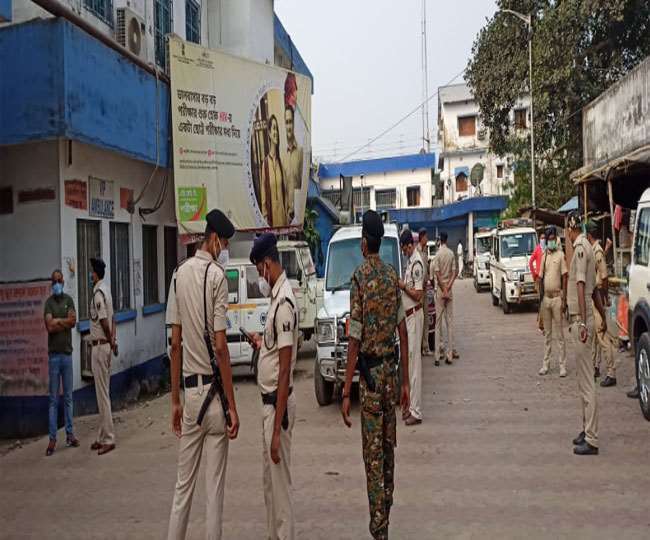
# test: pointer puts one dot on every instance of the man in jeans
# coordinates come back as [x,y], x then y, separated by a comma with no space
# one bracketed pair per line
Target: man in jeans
[60,317]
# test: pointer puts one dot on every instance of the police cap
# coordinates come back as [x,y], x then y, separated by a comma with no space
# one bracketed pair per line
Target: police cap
[218,222]
[372,225]
[98,265]
[263,246]
[406,237]
[574,220]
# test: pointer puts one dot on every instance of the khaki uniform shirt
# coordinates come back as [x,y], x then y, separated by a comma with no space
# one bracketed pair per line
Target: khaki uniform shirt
[423,251]
[553,267]
[185,308]
[583,268]
[414,279]
[101,307]
[601,264]
[445,264]
[280,330]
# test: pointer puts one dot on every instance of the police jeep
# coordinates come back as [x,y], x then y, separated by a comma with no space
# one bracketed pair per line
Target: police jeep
[332,324]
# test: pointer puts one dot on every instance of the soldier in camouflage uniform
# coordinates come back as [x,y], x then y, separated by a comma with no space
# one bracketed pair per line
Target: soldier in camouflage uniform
[375,313]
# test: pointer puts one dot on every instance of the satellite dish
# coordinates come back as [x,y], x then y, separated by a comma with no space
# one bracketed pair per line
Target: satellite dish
[476,176]
[135,36]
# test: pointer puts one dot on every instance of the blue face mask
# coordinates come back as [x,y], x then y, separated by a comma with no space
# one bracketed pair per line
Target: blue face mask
[57,289]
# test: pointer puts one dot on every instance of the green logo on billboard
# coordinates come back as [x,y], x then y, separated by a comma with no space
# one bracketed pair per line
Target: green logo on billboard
[192,203]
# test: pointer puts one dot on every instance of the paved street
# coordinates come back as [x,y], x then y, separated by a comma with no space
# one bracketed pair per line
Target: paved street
[493,458]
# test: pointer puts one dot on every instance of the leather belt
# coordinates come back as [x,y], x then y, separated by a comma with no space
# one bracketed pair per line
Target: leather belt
[192,381]
[552,294]
[413,310]
[272,397]
[96,342]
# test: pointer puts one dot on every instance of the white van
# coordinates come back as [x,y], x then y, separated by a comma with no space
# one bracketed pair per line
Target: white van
[482,250]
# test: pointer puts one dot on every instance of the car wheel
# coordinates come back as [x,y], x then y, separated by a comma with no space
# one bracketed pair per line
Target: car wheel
[504,303]
[642,362]
[495,299]
[324,389]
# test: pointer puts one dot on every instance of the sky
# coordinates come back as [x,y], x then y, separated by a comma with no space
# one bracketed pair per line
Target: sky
[365,56]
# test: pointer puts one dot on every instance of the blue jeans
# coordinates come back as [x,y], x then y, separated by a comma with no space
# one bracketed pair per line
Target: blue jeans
[60,366]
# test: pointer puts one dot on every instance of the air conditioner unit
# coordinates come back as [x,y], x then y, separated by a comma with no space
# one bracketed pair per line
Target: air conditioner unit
[130,32]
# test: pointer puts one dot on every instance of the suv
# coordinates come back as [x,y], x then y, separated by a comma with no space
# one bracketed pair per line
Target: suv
[511,281]
[639,294]
[332,323]
[482,250]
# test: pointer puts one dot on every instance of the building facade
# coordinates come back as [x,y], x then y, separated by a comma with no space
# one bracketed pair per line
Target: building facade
[464,143]
[85,171]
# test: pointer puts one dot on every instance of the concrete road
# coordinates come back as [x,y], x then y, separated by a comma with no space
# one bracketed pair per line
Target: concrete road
[493,458]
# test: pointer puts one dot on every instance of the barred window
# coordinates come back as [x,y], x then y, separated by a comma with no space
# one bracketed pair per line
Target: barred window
[120,267]
[361,198]
[102,9]
[88,246]
[171,255]
[386,199]
[333,196]
[150,264]
[192,21]
[162,17]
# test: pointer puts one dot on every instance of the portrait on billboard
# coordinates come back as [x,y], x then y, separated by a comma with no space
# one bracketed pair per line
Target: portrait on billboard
[277,156]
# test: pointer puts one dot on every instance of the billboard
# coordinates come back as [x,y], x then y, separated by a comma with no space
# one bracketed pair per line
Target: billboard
[241,140]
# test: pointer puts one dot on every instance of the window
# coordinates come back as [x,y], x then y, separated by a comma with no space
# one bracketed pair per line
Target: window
[88,245]
[344,256]
[413,196]
[499,171]
[467,126]
[361,197]
[289,261]
[192,21]
[150,264]
[171,255]
[162,17]
[333,196]
[232,277]
[520,118]
[120,267]
[461,183]
[642,239]
[386,199]
[102,9]
[252,287]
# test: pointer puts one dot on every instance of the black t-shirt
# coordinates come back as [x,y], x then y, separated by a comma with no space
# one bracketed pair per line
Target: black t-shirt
[58,307]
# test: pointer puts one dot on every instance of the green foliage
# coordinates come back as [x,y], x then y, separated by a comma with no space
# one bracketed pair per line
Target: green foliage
[311,233]
[580,48]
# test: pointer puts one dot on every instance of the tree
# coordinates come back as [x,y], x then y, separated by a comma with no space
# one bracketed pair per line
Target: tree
[312,235]
[580,48]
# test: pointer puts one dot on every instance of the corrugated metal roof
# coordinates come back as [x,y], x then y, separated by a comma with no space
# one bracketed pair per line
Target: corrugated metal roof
[454,93]
[571,204]
[375,166]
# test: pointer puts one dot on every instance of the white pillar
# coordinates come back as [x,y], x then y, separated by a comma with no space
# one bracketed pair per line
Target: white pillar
[470,236]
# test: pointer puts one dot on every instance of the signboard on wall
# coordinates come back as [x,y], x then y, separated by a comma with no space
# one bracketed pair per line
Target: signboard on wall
[102,198]
[23,339]
[241,140]
[76,194]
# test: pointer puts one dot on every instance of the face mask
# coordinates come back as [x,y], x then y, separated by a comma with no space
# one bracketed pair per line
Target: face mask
[552,245]
[57,289]
[223,257]
[265,288]
[542,243]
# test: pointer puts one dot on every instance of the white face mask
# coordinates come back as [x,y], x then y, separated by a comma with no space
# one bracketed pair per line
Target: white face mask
[265,288]
[224,255]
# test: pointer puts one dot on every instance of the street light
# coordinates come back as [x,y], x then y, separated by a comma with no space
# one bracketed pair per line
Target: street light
[528,20]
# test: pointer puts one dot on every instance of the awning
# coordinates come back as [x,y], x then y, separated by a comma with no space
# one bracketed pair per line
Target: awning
[570,205]
[461,170]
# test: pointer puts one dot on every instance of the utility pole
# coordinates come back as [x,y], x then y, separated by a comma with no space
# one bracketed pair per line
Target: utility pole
[426,139]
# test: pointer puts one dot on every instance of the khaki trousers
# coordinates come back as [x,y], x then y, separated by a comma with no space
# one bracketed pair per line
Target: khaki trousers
[553,331]
[586,382]
[445,315]
[414,324]
[602,345]
[211,435]
[425,323]
[277,478]
[101,368]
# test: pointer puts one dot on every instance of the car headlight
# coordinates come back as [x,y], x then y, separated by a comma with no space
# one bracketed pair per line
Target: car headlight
[512,275]
[325,331]
[482,265]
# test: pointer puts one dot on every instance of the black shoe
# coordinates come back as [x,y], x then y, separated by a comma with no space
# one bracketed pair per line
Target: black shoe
[596,373]
[633,394]
[449,362]
[585,449]
[436,363]
[580,439]
[608,381]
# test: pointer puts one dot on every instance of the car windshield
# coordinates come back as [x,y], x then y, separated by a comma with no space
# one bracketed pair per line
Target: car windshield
[344,257]
[483,245]
[518,245]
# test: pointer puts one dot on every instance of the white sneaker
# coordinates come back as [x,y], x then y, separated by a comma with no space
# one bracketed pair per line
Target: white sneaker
[543,371]
[562,372]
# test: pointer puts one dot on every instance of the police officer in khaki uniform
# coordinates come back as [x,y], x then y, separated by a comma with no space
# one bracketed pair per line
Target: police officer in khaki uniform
[278,351]
[602,344]
[445,271]
[102,339]
[424,255]
[196,309]
[581,286]
[412,292]
[553,273]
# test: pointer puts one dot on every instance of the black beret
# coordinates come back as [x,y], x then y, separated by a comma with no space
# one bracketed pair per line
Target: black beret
[97,264]
[263,246]
[422,231]
[406,237]
[550,231]
[219,223]
[372,225]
